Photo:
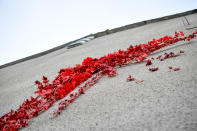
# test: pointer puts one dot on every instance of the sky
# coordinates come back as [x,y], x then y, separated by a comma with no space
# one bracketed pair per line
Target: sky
[28,27]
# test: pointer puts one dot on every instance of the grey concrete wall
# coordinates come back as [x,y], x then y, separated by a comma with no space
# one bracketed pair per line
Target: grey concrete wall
[40,54]
[164,101]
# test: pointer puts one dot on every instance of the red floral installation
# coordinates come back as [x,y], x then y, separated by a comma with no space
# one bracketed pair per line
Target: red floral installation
[72,77]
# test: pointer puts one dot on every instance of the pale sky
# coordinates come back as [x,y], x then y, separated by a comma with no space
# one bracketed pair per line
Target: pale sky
[28,27]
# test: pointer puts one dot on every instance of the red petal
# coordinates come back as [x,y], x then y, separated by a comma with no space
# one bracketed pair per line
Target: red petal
[153,69]
[176,69]
[148,62]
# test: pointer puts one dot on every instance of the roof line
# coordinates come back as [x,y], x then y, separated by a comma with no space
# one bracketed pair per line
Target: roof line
[100,34]
[137,24]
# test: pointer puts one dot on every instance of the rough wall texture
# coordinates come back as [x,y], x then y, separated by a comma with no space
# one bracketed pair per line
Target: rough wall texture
[165,101]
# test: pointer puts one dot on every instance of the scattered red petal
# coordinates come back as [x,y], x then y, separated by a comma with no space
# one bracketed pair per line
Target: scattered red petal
[176,69]
[153,69]
[148,62]
[159,57]
[181,51]
[130,78]
[137,82]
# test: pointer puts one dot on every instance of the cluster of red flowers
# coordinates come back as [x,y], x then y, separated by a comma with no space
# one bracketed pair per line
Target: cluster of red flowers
[72,77]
